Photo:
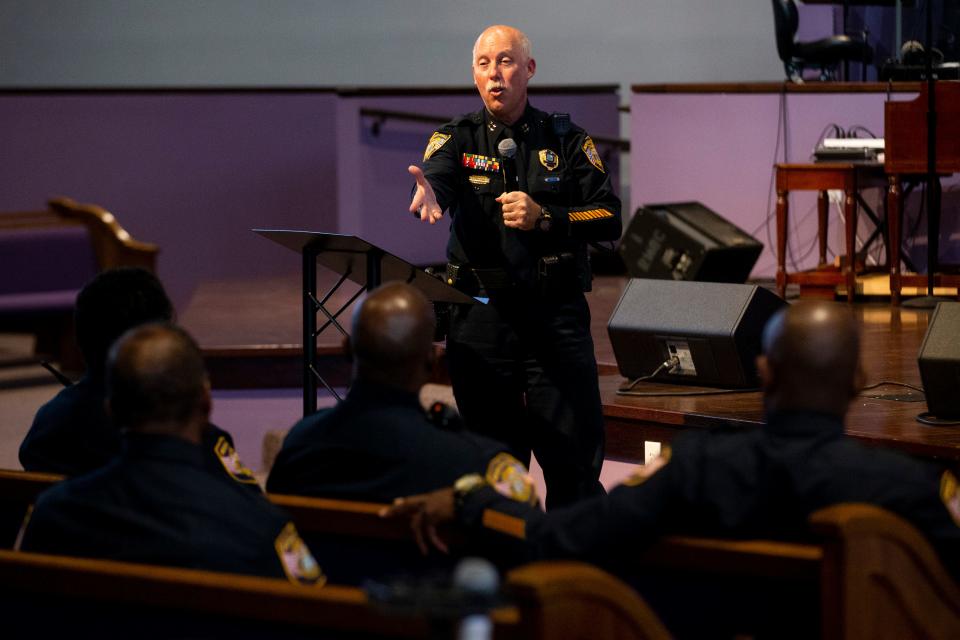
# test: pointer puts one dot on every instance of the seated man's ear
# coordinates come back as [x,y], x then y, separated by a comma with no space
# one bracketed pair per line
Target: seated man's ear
[859,380]
[767,381]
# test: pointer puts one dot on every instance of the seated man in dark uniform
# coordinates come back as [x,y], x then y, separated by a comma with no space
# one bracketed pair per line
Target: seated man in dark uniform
[157,502]
[379,443]
[722,482]
[71,433]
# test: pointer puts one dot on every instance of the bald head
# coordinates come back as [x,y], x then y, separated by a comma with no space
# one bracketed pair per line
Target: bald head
[392,337]
[156,382]
[507,32]
[811,358]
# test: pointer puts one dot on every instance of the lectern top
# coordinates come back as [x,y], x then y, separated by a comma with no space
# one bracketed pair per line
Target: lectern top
[347,255]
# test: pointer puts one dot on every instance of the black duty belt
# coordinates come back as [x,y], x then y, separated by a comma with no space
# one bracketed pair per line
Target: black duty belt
[475,280]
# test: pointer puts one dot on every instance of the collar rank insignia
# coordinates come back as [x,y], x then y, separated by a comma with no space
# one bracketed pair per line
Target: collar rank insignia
[491,126]
[510,478]
[231,462]
[437,140]
[590,150]
[295,558]
[549,159]
[483,163]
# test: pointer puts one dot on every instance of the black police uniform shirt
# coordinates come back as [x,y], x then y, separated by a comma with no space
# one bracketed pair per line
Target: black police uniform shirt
[376,445]
[729,483]
[565,175]
[72,435]
[523,366]
[158,503]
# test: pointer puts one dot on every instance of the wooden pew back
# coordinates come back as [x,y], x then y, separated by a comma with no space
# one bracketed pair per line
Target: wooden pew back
[860,556]
[43,594]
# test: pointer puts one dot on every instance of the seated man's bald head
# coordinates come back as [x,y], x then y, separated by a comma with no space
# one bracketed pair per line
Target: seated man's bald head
[157,382]
[811,358]
[392,337]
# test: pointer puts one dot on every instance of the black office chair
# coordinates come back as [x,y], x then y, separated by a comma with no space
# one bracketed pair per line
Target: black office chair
[826,53]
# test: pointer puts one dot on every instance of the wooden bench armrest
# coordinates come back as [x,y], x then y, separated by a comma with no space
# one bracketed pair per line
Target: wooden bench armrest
[577,600]
[882,578]
[112,244]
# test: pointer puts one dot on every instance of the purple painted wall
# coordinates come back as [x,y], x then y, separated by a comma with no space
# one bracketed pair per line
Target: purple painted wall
[720,149]
[192,172]
[373,184]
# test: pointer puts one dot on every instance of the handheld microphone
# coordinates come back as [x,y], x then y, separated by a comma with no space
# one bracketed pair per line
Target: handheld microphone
[508,151]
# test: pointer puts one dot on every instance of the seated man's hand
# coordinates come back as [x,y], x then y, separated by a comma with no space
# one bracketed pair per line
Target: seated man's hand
[424,203]
[425,512]
[519,210]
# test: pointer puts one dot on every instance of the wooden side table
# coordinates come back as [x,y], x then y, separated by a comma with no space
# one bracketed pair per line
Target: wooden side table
[848,177]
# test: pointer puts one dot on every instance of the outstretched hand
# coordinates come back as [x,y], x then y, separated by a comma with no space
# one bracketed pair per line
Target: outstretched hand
[424,203]
[425,512]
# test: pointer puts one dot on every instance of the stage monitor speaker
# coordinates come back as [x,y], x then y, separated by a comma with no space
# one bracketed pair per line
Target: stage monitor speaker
[713,329]
[939,361]
[687,241]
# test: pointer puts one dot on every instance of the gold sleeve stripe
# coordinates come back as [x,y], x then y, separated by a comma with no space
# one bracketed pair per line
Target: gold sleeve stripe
[503,523]
[591,214]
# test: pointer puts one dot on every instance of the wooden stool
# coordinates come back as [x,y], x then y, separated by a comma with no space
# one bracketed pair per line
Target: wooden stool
[847,177]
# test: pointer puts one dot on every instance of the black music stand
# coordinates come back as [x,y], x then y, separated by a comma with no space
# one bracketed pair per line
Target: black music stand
[353,259]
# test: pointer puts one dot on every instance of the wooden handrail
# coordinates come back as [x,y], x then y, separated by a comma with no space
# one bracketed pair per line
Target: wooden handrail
[382,115]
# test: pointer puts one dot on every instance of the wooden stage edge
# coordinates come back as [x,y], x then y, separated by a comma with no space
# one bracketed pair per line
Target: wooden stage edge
[890,342]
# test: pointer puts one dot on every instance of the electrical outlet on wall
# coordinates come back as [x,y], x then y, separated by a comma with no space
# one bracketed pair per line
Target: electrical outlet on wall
[651,451]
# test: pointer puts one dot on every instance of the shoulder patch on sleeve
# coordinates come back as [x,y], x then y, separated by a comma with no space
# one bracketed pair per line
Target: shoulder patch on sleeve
[590,150]
[231,462]
[437,140]
[950,495]
[648,470]
[510,478]
[295,558]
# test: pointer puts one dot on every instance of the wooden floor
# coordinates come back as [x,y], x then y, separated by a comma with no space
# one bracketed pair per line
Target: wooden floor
[250,332]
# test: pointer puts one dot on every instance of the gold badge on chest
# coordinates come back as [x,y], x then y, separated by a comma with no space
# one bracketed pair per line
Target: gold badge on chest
[549,159]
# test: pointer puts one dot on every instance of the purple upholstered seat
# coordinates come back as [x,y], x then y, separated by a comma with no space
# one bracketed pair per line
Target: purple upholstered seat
[42,269]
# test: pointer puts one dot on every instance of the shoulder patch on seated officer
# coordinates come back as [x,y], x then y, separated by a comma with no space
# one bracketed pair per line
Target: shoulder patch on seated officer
[295,558]
[589,214]
[950,495]
[590,150]
[510,478]
[648,470]
[231,462]
[437,140]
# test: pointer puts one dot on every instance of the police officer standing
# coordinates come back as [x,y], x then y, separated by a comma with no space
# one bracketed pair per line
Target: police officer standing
[526,191]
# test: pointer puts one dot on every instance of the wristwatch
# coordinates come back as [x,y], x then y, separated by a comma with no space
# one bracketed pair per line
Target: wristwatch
[545,221]
[464,486]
